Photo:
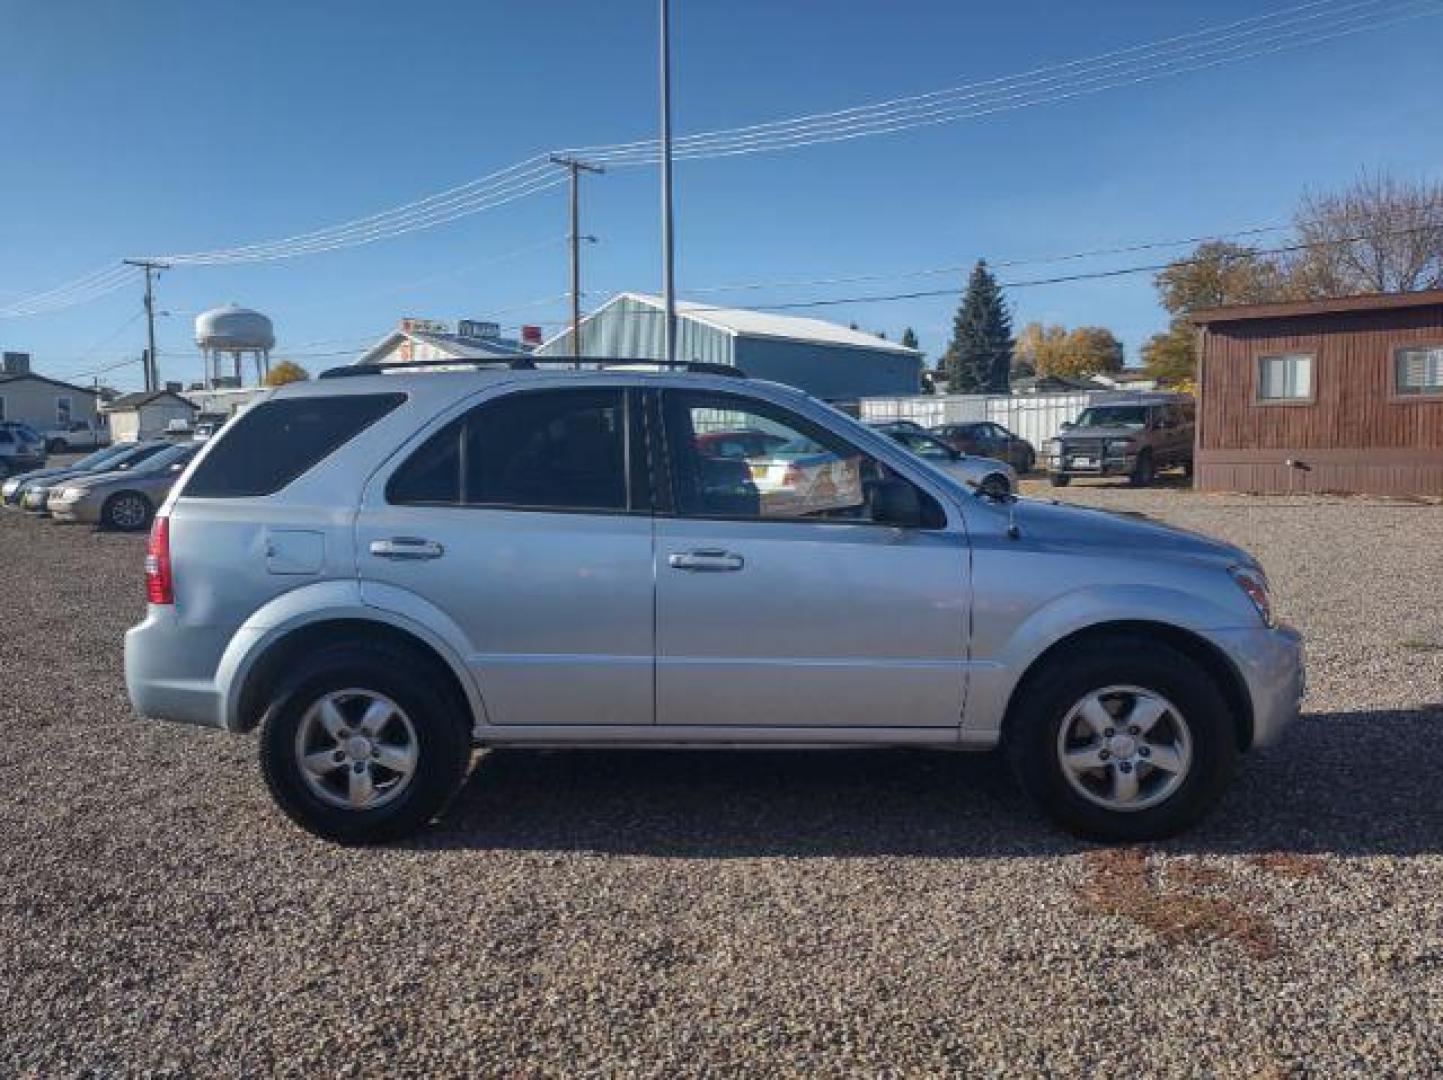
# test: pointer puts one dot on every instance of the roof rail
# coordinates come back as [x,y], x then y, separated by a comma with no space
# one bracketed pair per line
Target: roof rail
[530,363]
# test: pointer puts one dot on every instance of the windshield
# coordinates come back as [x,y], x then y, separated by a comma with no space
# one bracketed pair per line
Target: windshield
[926,446]
[1128,416]
[89,461]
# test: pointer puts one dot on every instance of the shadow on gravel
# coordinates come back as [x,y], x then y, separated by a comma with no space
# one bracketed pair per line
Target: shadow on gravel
[1344,783]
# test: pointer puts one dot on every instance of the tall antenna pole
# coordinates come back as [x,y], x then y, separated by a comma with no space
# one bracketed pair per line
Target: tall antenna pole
[668,273]
[575,166]
[152,368]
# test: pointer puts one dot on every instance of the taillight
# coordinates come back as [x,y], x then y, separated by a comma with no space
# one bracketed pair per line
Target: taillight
[159,587]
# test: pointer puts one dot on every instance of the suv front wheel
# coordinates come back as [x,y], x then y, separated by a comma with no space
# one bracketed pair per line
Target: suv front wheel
[1123,739]
[363,746]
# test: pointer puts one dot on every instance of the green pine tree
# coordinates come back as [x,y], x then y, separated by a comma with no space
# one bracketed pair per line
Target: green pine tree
[979,359]
[909,339]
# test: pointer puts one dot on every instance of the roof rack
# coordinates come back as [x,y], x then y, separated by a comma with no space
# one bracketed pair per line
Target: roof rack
[531,363]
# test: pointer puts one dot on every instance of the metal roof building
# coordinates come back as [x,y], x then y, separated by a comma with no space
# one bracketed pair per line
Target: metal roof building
[824,359]
[426,339]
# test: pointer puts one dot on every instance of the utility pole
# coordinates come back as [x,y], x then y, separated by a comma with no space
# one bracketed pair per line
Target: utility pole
[575,167]
[152,369]
[668,275]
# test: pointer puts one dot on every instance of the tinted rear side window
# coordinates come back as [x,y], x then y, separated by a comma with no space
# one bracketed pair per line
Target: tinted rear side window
[271,444]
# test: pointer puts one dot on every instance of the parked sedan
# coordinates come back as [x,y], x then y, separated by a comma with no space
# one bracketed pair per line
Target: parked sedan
[123,500]
[34,494]
[989,440]
[987,475]
[13,492]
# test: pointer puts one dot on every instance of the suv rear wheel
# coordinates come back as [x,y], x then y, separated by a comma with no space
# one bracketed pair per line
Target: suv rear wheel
[363,745]
[1124,739]
[1145,471]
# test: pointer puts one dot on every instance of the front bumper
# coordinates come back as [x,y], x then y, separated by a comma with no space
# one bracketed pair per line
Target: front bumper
[85,510]
[1070,464]
[1271,664]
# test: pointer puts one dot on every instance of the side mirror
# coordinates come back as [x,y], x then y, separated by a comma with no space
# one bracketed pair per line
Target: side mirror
[895,503]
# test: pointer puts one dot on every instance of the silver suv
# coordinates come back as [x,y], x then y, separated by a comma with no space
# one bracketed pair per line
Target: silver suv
[382,572]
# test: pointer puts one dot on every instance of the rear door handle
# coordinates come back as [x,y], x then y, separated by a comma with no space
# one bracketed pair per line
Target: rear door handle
[708,561]
[405,548]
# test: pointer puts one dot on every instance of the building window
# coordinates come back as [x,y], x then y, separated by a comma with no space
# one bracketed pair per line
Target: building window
[62,413]
[1418,371]
[1285,378]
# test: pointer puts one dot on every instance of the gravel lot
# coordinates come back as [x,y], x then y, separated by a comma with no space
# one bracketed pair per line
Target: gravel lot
[657,913]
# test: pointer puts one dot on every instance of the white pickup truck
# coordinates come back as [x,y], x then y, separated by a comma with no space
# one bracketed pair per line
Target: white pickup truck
[77,435]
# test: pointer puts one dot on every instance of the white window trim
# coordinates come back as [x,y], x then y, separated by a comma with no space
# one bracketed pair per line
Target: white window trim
[1259,398]
[1424,391]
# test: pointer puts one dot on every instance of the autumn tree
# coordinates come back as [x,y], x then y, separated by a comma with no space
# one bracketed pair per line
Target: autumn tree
[1379,235]
[287,371]
[979,358]
[1217,273]
[1074,354]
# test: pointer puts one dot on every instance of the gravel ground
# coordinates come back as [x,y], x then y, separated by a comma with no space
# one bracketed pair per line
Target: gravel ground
[647,913]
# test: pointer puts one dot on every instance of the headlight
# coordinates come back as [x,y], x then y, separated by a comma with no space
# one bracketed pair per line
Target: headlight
[1255,586]
[9,487]
[1120,444]
[72,493]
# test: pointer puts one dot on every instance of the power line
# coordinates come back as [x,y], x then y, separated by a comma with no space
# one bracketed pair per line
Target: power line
[1289,28]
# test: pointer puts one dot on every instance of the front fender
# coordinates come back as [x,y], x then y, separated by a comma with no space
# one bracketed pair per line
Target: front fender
[995,678]
[330,601]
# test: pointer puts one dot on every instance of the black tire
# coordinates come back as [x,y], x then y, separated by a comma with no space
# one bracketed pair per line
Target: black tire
[127,511]
[1032,735]
[55,446]
[1144,472]
[1029,461]
[1058,479]
[442,733]
[1187,468]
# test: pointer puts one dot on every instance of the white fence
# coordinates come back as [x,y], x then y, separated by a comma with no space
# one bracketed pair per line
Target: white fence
[1035,417]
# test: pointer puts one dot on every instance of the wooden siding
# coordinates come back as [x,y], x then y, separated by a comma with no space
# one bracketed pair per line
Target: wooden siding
[1353,405]
[1355,434]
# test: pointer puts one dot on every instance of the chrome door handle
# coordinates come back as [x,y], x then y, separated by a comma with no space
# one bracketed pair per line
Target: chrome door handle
[711,560]
[406,548]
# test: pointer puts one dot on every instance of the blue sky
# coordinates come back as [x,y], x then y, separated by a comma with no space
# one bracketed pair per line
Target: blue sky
[173,125]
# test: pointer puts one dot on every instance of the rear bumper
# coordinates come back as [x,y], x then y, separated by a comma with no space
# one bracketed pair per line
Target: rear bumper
[1271,663]
[161,661]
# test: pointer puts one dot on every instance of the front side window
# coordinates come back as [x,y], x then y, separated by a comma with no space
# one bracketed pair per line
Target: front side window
[924,446]
[535,450]
[797,471]
[1285,378]
[1418,371]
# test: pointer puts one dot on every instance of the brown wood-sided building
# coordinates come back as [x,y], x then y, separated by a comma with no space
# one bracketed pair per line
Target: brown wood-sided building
[1328,395]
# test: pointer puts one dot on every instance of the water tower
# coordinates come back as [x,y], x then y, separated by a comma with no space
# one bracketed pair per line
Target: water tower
[233,333]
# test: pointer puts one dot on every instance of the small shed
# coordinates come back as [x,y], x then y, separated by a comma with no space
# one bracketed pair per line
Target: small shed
[428,339]
[1329,395]
[826,360]
[147,415]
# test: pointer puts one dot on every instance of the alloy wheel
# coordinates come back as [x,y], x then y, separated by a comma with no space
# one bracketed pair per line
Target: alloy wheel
[129,512]
[1124,748]
[356,749]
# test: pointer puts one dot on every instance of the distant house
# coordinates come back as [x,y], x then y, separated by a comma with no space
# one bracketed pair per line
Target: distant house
[826,360]
[1330,395]
[43,403]
[427,339]
[147,415]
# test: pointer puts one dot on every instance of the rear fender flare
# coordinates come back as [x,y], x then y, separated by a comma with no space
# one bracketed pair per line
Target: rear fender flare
[332,601]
